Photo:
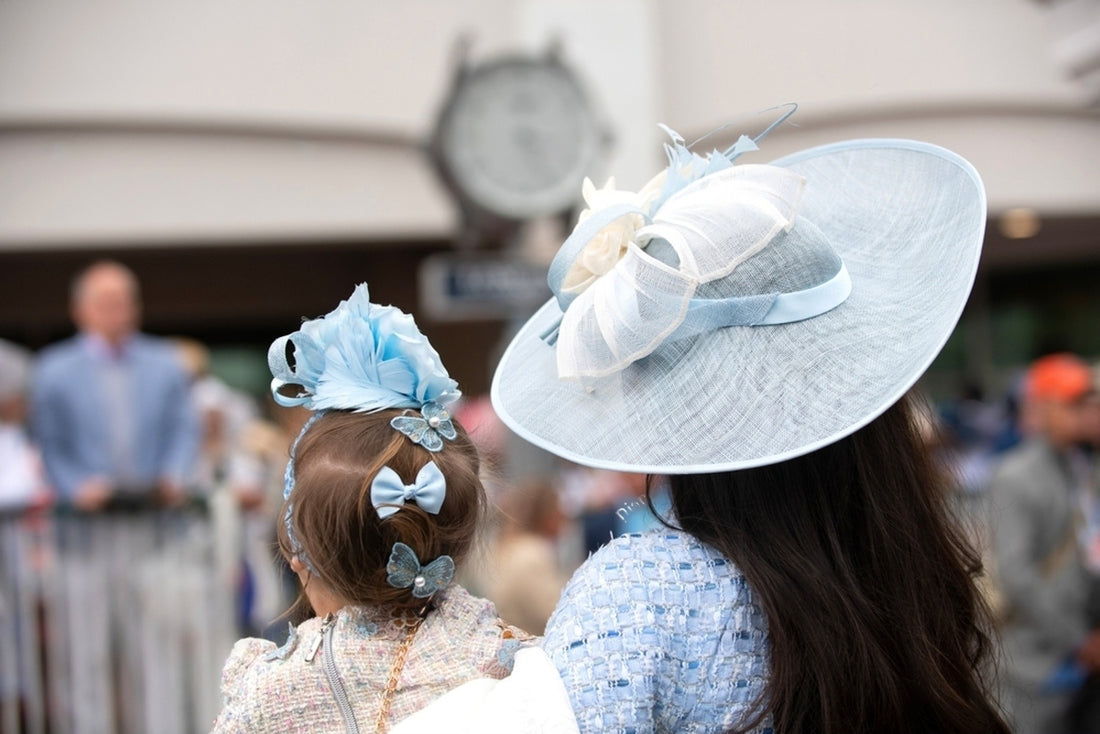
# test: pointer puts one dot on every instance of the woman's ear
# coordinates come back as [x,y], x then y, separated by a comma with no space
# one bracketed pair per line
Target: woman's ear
[296,565]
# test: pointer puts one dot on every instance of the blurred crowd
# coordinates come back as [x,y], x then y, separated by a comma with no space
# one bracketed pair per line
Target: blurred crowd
[139,492]
[1028,478]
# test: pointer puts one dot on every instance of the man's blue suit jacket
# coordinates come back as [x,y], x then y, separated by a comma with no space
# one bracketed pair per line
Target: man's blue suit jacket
[69,416]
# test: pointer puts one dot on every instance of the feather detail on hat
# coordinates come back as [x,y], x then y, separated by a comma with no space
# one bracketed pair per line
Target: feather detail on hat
[362,357]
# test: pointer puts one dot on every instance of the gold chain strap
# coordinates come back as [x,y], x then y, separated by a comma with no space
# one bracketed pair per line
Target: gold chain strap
[395,674]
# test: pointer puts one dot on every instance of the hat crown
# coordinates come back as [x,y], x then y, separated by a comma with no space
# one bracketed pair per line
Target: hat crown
[795,260]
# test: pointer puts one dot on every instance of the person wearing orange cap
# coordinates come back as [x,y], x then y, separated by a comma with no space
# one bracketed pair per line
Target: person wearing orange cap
[1036,496]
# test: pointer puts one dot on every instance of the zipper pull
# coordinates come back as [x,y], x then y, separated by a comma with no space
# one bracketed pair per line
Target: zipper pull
[320,638]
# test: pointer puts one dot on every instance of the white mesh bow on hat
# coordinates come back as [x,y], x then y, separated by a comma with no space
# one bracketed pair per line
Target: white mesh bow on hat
[732,316]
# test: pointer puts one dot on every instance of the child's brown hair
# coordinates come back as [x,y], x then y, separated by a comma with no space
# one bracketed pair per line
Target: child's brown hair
[338,527]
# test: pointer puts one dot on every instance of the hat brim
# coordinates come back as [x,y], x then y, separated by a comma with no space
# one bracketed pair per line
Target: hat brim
[907,218]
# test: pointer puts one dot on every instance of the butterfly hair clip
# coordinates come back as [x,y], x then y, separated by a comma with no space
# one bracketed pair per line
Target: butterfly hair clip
[430,429]
[405,572]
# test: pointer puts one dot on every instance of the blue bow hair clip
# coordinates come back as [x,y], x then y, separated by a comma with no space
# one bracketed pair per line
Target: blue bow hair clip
[405,572]
[362,357]
[428,430]
[388,493]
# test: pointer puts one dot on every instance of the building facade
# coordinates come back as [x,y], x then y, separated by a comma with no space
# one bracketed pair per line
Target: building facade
[252,162]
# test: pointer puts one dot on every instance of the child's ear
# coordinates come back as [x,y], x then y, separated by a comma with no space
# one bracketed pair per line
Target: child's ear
[296,564]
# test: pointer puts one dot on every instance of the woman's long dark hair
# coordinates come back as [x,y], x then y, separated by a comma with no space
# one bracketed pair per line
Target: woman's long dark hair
[867,584]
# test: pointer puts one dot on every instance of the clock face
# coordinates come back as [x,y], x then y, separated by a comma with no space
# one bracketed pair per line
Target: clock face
[519,137]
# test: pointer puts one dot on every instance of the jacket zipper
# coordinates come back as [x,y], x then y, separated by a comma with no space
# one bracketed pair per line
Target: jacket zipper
[324,638]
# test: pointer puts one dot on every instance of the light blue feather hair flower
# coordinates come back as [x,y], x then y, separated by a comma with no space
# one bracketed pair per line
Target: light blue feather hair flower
[362,357]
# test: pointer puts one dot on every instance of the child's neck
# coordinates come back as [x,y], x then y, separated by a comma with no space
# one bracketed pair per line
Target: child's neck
[323,610]
[322,599]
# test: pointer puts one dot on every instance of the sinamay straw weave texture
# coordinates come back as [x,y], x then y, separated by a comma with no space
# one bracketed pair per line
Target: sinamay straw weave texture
[906,218]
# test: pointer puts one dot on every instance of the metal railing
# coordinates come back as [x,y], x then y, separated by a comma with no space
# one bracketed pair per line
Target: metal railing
[111,622]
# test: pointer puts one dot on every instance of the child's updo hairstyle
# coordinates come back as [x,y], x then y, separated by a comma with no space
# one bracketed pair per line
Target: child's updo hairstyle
[382,491]
[346,543]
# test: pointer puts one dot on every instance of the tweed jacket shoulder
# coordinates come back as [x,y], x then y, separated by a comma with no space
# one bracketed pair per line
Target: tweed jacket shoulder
[658,632]
[269,689]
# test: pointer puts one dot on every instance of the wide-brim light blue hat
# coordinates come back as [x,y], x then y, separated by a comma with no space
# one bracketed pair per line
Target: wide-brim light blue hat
[843,269]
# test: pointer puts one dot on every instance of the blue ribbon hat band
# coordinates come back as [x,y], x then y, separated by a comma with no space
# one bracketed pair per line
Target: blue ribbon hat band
[707,314]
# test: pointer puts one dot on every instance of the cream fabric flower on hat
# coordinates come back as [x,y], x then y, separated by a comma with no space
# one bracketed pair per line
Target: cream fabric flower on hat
[609,245]
[713,224]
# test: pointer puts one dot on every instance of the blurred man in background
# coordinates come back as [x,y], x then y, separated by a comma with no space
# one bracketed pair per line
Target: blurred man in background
[113,416]
[110,407]
[1037,494]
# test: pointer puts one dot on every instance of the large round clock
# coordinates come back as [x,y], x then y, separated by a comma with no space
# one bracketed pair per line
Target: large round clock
[517,136]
